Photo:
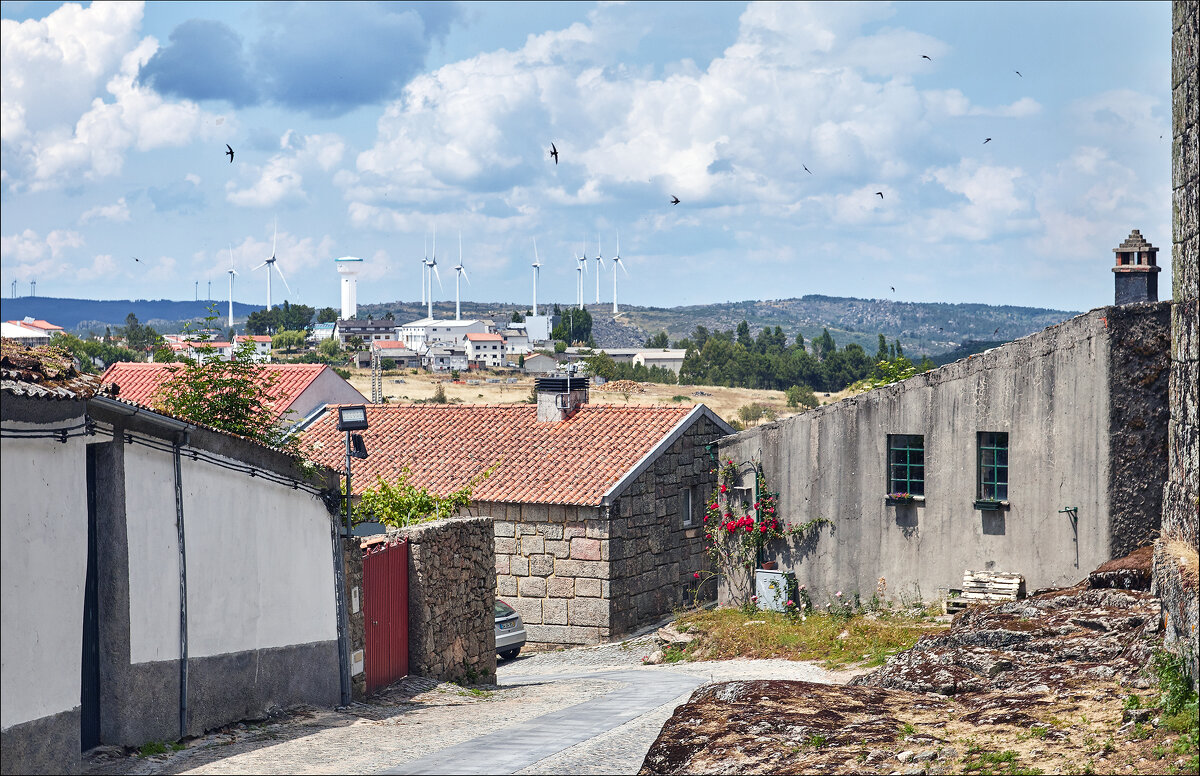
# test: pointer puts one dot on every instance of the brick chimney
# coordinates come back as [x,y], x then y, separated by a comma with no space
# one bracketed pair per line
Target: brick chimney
[1136,270]
[558,398]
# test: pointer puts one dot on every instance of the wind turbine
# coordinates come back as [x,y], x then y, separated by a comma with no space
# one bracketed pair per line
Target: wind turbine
[459,272]
[537,270]
[231,272]
[424,268]
[599,267]
[431,263]
[270,265]
[580,269]
[617,263]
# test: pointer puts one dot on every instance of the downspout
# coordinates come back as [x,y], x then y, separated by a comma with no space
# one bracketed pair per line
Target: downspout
[183,619]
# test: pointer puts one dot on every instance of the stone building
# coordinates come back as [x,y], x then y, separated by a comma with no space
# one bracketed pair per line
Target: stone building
[1042,457]
[597,508]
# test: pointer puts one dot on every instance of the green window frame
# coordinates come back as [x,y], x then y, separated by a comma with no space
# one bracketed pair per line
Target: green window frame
[993,466]
[906,464]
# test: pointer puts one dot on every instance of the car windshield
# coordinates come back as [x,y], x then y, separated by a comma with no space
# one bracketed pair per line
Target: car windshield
[503,609]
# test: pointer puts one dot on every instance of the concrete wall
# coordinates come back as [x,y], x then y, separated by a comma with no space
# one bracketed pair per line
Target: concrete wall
[259,563]
[1181,494]
[451,597]
[43,550]
[1051,392]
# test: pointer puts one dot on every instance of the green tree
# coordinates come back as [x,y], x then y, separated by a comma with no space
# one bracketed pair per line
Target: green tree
[659,340]
[355,343]
[601,365]
[802,396]
[560,346]
[824,346]
[517,317]
[138,336]
[288,340]
[234,395]
[327,315]
[330,347]
[87,353]
[402,503]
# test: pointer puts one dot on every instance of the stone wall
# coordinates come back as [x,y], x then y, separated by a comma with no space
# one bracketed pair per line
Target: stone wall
[654,549]
[1081,403]
[451,597]
[353,563]
[552,566]
[1175,557]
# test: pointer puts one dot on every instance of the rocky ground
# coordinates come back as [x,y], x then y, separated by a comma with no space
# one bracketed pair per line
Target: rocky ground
[1037,685]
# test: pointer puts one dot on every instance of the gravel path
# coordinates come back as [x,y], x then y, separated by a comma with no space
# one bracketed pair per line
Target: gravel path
[554,712]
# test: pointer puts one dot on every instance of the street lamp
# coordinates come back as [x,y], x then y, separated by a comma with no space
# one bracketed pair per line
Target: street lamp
[352,418]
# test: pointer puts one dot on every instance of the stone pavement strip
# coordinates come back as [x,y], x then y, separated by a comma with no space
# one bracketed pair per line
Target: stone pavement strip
[519,746]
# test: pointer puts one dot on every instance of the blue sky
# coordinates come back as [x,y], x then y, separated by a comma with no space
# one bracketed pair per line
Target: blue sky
[362,128]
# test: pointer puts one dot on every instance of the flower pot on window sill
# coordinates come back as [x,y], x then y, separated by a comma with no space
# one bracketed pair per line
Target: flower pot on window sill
[896,499]
[990,505]
[769,565]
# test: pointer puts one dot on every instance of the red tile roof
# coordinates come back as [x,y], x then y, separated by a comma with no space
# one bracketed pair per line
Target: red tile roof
[254,337]
[37,324]
[139,382]
[479,337]
[575,461]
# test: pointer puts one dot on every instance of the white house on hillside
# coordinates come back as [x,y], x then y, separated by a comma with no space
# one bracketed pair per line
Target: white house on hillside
[487,350]
[424,332]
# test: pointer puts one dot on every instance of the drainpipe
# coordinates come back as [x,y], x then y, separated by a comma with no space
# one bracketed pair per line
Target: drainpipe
[183,619]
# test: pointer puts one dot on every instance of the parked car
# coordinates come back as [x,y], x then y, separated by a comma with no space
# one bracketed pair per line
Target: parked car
[510,631]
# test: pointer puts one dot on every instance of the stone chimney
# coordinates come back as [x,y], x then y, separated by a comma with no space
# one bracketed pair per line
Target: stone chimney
[1137,270]
[558,398]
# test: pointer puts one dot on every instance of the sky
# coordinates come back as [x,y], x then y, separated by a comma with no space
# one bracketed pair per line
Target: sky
[386,130]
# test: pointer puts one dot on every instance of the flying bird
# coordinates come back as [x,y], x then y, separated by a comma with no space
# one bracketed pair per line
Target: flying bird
[997,331]
[926,56]
[940,328]
[893,289]
[554,153]
[880,193]
[674,200]
[985,142]
[1018,72]
[135,258]
[806,169]
[229,153]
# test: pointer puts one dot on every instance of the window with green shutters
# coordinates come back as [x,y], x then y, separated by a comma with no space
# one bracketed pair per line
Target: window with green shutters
[993,466]
[906,464]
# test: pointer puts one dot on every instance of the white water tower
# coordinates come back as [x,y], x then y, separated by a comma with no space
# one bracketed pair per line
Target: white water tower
[348,267]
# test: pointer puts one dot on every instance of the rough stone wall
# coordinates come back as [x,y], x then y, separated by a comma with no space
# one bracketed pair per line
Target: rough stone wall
[1176,552]
[552,566]
[451,596]
[654,554]
[1138,371]
[1050,392]
[353,563]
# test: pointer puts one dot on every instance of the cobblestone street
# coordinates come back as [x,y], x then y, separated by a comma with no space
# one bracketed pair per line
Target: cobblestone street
[589,710]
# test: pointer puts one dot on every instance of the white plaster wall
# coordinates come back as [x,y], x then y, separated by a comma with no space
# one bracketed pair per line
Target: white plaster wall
[153,554]
[259,563]
[43,549]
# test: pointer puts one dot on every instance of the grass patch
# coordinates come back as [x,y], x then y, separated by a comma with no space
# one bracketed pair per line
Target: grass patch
[994,763]
[475,692]
[151,748]
[723,634]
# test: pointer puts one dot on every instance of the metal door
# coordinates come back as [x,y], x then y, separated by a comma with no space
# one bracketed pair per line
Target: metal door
[385,606]
[89,687]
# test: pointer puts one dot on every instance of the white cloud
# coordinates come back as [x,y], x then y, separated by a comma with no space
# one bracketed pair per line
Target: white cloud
[28,256]
[103,266]
[118,211]
[72,106]
[282,177]
[992,207]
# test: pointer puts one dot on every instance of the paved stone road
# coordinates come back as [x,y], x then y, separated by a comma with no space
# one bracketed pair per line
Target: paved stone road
[590,710]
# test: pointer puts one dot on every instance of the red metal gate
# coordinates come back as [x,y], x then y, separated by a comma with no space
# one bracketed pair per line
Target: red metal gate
[385,606]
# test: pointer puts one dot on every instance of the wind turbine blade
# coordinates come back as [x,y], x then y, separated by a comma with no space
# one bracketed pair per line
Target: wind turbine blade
[281,277]
[260,266]
[438,276]
[231,256]
[465,276]
[618,242]
[535,255]
[274,239]
[622,264]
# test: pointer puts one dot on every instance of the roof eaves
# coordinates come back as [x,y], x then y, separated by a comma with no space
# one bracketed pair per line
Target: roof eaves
[663,444]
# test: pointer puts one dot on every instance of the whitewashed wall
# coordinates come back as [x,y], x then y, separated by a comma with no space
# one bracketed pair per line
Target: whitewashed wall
[153,554]
[43,549]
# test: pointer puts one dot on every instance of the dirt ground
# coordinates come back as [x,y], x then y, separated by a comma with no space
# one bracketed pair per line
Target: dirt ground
[401,386]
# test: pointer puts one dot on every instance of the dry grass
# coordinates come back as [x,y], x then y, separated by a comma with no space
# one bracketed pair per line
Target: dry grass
[863,639]
[723,401]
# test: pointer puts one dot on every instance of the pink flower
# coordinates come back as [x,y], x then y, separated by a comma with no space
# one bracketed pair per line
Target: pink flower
[791,602]
[838,594]
[696,575]
[754,598]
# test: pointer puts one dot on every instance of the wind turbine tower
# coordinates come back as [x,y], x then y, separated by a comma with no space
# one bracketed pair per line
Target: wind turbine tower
[599,268]
[270,265]
[231,272]
[537,269]
[460,272]
[617,263]
[348,267]
[580,270]
[431,263]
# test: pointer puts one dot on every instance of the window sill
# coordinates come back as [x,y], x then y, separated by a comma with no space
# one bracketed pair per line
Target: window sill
[902,501]
[987,505]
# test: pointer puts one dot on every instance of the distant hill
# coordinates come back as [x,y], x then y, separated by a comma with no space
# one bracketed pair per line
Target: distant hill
[81,315]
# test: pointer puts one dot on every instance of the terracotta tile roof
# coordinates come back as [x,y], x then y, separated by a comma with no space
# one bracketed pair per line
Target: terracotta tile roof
[37,323]
[253,337]
[575,461]
[139,382]
[475,337]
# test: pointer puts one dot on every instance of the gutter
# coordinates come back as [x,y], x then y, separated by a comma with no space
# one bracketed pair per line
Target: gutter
[699,411]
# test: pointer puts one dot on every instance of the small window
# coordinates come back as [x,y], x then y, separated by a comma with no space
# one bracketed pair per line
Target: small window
[685,507]
[993,466]
[906,464]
